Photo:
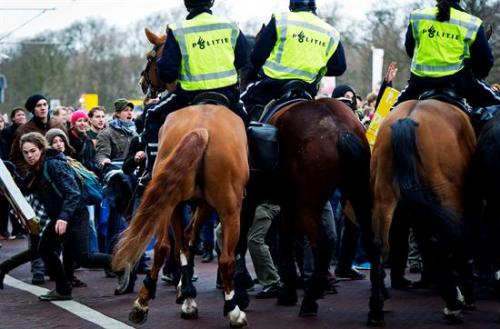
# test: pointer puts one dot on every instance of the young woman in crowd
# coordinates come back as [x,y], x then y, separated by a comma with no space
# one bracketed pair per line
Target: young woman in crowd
[80,141]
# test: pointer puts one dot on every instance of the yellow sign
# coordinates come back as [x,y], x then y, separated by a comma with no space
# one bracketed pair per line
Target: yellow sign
[389,97]
[89,101]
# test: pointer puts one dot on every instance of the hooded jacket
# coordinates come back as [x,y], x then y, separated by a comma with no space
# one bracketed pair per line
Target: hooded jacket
[62,175]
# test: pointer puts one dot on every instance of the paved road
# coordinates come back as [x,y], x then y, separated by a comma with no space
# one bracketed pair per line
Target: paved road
[348,309]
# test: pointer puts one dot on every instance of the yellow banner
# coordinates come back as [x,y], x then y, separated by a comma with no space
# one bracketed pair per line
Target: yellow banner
[388,99]
[89,101]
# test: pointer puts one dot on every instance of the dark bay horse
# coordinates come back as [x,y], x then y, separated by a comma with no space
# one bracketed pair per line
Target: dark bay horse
[420,162]
[203,158]
[486,181]
[322,148]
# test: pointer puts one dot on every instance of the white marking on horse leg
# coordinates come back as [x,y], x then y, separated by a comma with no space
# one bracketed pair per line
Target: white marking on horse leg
[460,297]
[189,306]
[497,275]
[184,260]
[229,296]
[237,317]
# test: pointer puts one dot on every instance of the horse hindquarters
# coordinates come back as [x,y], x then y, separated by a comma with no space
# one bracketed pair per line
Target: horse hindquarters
[439,226]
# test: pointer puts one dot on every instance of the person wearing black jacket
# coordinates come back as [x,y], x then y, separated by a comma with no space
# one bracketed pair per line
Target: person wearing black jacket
[280,55]
[476,60]
[188,69]
[56,185]
[17,118]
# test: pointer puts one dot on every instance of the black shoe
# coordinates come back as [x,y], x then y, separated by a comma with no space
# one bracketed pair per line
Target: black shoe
[351,273]
[270,291]
[401,283]
[38,278]
[77,283]
[19,236]
[54,295]
[207,256]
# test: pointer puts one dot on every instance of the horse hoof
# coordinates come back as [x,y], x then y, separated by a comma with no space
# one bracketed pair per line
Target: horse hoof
[453,316]
[308,309]
[190,316]
[375,319]
[138,316]
[238,322]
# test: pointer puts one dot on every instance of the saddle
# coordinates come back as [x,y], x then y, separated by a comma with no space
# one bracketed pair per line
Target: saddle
[292,92]
[210,97]
[449,96]
[263,138]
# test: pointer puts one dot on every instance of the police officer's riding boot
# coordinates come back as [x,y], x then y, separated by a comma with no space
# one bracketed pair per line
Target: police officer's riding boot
[151,151]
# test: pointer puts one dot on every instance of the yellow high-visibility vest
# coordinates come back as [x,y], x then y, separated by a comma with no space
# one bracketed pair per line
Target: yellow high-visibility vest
[207,46]
[441,47]
[304,45]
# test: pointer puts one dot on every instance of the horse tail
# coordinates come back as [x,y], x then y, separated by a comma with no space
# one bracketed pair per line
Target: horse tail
[413,195]
[355,157]
[161,197]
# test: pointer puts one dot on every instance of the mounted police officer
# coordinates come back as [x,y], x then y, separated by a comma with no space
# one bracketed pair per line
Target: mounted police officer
[202,53]
[293,46]
[449,48]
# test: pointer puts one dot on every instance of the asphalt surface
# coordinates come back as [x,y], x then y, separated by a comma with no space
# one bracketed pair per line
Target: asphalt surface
[419,309]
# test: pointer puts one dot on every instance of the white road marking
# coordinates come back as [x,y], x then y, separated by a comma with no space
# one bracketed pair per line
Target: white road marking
[80,310]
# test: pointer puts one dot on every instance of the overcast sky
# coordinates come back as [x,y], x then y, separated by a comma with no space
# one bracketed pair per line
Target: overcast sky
[123,12]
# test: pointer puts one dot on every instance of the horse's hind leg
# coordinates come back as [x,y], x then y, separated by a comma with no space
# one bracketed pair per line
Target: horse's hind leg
[230,235]
[317,227]
[140,309]
[377,247]
[186,292]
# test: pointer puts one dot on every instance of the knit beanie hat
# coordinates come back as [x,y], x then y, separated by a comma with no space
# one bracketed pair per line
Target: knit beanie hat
[78,115]
[302,4]
[55,132]
[32,100]
[121,103]
[341,90]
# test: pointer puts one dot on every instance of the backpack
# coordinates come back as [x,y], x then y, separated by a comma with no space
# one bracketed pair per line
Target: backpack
[90,187]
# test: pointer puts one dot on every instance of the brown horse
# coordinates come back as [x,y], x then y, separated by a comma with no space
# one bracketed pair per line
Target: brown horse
[203,158]
[420,163]
[323,148]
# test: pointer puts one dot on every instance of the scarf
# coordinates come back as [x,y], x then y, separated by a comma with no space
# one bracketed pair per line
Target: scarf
[127,127]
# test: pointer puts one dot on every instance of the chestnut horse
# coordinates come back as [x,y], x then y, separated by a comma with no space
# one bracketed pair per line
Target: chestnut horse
[420,162]
[322,148]
[202,157]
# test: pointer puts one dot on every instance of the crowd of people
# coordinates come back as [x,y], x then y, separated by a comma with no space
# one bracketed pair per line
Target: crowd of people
[115,149]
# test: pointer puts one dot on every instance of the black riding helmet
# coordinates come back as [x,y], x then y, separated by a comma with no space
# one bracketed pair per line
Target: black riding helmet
[296,5]
[198,4]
